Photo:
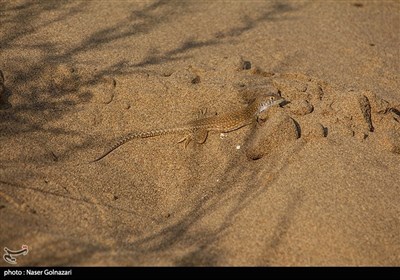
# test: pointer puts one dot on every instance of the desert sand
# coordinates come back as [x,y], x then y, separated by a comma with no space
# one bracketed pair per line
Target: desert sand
[315,182]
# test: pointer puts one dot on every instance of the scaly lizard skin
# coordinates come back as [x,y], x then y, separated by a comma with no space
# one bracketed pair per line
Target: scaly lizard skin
[198,129]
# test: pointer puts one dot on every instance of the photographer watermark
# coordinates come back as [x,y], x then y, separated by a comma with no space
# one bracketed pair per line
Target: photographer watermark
[10,255]
[36,271]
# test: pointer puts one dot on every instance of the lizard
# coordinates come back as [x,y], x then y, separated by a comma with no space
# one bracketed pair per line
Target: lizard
[200,128]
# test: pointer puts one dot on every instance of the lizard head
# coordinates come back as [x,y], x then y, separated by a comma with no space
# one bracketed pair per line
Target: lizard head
[268,100]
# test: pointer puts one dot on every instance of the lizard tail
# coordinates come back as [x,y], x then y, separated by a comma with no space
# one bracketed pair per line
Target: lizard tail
[135,135]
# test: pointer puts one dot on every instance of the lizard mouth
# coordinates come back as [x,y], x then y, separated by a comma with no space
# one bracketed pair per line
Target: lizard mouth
[266,105]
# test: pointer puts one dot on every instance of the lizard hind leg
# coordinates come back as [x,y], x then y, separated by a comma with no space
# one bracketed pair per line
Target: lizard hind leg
[186,140]
[201,136]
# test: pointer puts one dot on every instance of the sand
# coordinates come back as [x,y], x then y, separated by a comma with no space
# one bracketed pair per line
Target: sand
[314,182]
